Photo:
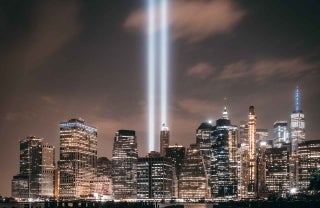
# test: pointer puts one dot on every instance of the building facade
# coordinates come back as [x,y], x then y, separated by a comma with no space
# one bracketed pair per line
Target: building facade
[193,179]
[124,165]
[36,175]
[277,170]
[309,162]
[78,159]
[281,135]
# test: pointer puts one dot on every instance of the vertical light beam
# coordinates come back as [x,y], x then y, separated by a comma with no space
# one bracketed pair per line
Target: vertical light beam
[163,58]
[151,74]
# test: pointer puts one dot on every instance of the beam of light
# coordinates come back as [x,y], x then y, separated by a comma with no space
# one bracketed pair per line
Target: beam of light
[151,74]
[163,58]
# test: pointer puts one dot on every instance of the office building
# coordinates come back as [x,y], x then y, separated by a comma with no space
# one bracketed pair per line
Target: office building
[164,139]
[243,170]
[224,158]
[281,134]
[193,179]
[263,138]
[104,167]
[155,177]
[204,141]
[78,159]
[36,175]
[309,162]
[124,165]
[102,184]
[277,170]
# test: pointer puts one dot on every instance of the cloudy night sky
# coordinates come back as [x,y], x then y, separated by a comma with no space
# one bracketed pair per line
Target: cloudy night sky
[71,59]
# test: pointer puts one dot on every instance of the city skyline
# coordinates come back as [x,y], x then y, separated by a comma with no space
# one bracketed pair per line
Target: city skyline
[89,62]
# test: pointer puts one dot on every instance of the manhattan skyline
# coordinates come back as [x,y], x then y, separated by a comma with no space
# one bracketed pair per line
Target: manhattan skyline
[62,60]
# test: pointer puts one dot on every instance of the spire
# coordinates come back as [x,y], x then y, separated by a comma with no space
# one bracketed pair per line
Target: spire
[297,103]
[225,112]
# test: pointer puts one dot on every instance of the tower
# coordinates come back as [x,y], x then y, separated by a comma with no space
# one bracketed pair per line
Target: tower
[223,178]
[280,134]
[36,175]
[164,139]
[78,158]
[252,124]
[297,124]
[124,164]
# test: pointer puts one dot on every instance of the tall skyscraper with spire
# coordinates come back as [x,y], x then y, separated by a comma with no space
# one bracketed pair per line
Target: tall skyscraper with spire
[297,124]
[252,125]
[164,139]
[224,162]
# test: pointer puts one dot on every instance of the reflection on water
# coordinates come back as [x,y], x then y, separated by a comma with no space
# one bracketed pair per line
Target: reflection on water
[197,206]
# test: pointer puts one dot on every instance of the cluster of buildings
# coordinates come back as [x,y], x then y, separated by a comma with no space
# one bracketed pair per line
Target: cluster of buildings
[225,162]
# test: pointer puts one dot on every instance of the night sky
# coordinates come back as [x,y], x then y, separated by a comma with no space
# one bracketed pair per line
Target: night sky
[71,59]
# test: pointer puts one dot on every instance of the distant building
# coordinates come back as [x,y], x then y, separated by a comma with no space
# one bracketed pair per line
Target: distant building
[277,170]
[263,138]
[309,162]
[297,136]
[193,179]
[155,177]
[104,167]
[78,159]
[281,134]
[224,158]
[297,124]
[243,133]
[36,175]
[164,139]
[124,164]
[243,170]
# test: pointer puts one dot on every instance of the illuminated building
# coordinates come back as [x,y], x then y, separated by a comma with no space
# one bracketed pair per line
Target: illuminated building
[263,138]
[252,123]
[36,176]
[224,158]
[124,165]
[203,140]
[309,161]
[297,125]
[164,139]
[78,159]
[280,134]
[243,133]
[104,167]
[155,177]
[243,170]
[297,136]
[193,180]
[277,170]
[176,153]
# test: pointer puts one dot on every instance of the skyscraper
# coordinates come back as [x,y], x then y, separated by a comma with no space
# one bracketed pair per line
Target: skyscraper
[297,124]
[280,134]
[252,123]
[124,164]
[78,158]
[155,177]
[164,139]
[36,176]
[193,179]
[204,141]
[224,162]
